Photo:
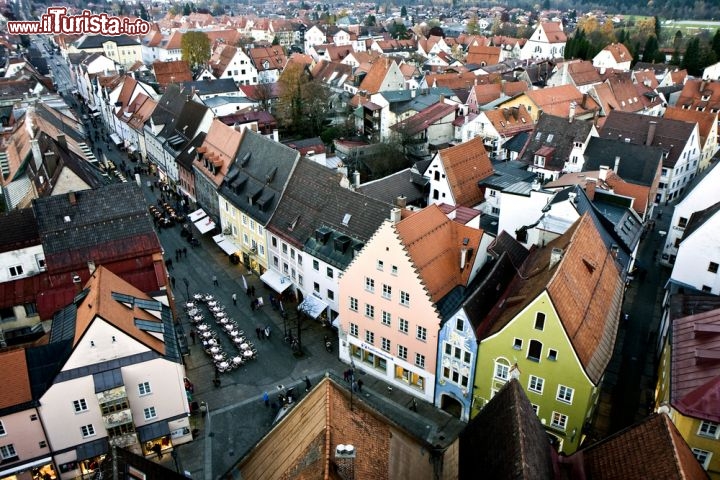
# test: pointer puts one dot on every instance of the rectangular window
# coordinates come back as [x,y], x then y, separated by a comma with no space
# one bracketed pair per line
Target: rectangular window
[420,360]
[386,344]
[380,265]
[369,284]
[273,241]
[316,265]
[353,304]
[369,337]
[316,287]
[459,324]
[394,270]
[2,429]
[149,413]
[299,259]
[467,357]
[16,270]
[703,457]
[284,248]
[517,344]
[404,325]
[387,291]
[559,420]
[565,394]
[682,222]
[713,267]
[402,352]
[552,354]
[144,388]
[539,321]
[7,451]
[404,298]
[369,311]
[80,405]
[329,272]
[386,318]
[536,384]
[354,329]
[502,371]
[330,295]
[87,430]
[421,333]
[708,429]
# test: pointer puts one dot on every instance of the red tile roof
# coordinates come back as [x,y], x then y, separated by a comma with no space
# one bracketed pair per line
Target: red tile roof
[695,377]
[434,242]
[421,120]
[465,165]
[619,52]
[172,72]
[16,381]
[556,100]
[705,120]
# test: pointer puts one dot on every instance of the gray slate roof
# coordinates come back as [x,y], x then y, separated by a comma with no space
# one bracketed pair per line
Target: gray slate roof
[19,230]
[257,178]
[184,127]
[389,188]
[697,219]
[638,163]
[562,134]
[169,105]
[316,219]
[670,135]
[506,174]
[187,156]
[113,212]
[96,41]
[210,87]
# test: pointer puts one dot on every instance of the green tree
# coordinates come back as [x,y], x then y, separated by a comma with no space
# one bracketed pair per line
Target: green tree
[398,31]
[143,12]
[187,9]
[302,105]
[651,49]
[678,39]
[403,12]
[715,45]
[370,21]
[691,59]
[472,26]
[195,48]
[276,40]
[658,28]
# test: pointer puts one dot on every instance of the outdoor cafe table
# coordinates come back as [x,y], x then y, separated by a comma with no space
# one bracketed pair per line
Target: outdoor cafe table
[247,353]
[193,311]
[235,333]
[229,327]
[218,357]
[239,340]
[202,327]
[207,334]
[237,360]
[198,296]
[223,320]
[221,314]
[211,303]
[212,341]
[224,364]
[189,304]
[244,346]
[209,298]
[197,318]
[214,349]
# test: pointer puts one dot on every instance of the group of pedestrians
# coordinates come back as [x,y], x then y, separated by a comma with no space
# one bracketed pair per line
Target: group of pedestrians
[263,333]
[180,253]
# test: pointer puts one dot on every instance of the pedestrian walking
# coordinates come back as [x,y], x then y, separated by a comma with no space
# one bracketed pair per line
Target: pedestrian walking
[247,291]
[252,290]
[307,384]
[234,298]
[346,375]
[172,280]
[354,386]
[177,255]
[258,332]
[267,332]
[215,280]
[192,335]
[359,385]
[266,399]
[184,251]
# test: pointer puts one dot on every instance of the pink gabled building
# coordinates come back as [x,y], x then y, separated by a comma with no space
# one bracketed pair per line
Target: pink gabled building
[389,295]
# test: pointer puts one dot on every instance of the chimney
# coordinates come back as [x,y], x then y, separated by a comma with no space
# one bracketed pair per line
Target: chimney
[617,164]
[590,189]
[583,104]
[356,179]
[463,258]
[401,201]
[62,141]
[651,133]
[77,282]
[555,257]
[603,172]
[571,112]
[614,249]
[395,215]
[72,198]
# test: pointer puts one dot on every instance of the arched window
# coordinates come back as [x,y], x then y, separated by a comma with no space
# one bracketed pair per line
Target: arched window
[534,350]
[539,321]
[502,369]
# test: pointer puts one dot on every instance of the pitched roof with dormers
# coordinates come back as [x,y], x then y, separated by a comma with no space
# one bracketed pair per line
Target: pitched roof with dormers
[653,448]
[619,52]
[465,165]
[274,56]
[434,244]
[218,151]
[554,32]
[645,77]
[556,137]
[585,287]
[483,55]
[16,380]
[695,372]
[557,100]
[510,121]
[171,72]
[422,120]
[706,120]
[700,94]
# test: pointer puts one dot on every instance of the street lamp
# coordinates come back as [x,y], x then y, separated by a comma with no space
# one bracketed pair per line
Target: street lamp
[205,409]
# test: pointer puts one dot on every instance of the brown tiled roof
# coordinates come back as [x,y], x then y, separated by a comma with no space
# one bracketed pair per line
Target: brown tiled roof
[173,71]
[583,73]
[374,78]
[585,288]
[421,120]
[510,121]
[128,87]
[465,165]
[652,448]
[174,42]
[695,377]
[143,112]
[16,381]
[274,55]
[337,53]
[695,90]
[459,80]
[619,52]
[646,76]
[433,242]
[99,303]
[705,120]
[556,100]
[222,143]
[229,37]
[221,58]
[483,55]
[554,32]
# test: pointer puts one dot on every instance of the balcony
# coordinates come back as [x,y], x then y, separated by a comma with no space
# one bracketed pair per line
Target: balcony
[116,419]
[123,440]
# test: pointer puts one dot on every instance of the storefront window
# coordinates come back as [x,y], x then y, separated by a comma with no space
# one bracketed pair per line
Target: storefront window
[411,378]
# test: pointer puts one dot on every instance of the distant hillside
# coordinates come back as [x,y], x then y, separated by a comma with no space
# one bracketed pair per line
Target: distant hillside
[668,9]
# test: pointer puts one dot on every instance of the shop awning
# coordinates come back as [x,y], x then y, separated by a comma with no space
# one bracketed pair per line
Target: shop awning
[204,225]
[312,306]
[274,280]
[25,466]
[197,215]
[114,137]
[92,449]
[153,431]
[226,244]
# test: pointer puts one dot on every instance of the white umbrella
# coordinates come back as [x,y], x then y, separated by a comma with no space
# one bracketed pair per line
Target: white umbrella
[244,283]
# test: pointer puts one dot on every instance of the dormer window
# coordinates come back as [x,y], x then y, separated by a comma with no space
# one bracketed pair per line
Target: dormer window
[539,161]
